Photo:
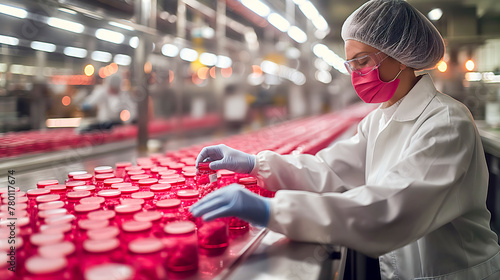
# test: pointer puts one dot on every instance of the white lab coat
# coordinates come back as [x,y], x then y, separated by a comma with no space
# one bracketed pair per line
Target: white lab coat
[109,106]
[412,191]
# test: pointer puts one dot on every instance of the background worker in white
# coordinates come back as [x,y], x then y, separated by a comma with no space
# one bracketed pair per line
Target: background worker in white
[110,101]
[409,187]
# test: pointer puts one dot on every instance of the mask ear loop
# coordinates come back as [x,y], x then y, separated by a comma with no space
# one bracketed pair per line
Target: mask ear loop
[396,76]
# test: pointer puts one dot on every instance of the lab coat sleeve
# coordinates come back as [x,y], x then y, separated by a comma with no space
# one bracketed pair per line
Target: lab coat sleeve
[336,168]
[432,184]
[96,96]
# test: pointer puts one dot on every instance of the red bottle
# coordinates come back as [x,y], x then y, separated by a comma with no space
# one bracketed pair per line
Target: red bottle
[42,184]
[101,251]
[125,212]
[213,234]
[63,249]
[41,268]
[151,216]
[112,197]
[171,210]
[181,243]
[147,257]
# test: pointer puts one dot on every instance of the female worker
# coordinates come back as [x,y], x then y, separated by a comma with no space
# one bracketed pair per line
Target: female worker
[409,187]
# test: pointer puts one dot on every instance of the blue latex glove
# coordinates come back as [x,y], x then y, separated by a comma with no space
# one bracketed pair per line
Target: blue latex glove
[224,157]
[233,201]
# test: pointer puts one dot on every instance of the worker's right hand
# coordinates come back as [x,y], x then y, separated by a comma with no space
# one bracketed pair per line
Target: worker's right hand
[224,157]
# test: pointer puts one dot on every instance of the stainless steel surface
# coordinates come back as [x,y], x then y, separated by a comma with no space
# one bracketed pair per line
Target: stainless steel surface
[276,257]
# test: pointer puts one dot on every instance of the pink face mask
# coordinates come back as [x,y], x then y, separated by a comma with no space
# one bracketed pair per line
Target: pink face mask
[371,89]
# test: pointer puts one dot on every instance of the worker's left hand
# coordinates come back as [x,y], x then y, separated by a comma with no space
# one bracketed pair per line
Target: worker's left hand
[233,200]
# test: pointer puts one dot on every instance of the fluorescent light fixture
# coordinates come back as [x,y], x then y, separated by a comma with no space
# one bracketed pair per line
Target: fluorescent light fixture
[279,22]
[63,122]
[121,25]
[7,40]
[16,69]
[309,10]
[109,36]
[320,50]
[297,34]
[134,42]
[75,52]
[42,46]
[13,11]
[323,76]
[321,34]
[330,57]
[29,70]
[257,7]
[65,25]
[208,59]
[122,59]
[170,50]
[473,76]
[207,32]
[269,67]
[68,11]
[320,23]
[101,56]
[321,65]
[3,67]
[298,78]
[223,61]
[188,54]
[435,14]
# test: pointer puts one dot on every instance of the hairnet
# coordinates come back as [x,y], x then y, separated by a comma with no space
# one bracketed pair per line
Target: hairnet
[398,30]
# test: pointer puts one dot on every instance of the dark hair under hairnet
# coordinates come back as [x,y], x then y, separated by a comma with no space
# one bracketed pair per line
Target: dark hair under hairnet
[398,30]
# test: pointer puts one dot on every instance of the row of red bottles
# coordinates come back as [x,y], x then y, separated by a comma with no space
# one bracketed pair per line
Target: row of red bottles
[132,218]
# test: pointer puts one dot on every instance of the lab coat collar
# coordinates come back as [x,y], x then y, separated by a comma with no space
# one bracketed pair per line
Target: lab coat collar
[416,100]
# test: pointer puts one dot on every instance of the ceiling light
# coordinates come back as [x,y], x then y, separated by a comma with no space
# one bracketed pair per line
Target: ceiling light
[320,50]
[309,10]
[13,11]
[188,54]
[7,40]
[170,50]
[16,69]
[208,59]
[42,46]
[323,76]
[101,56]
[110,36]
[65,25]
[297,34]
[223,61]
[122,59]
[269,67]
[257,7]
[435,14]
[75,52]
[279,22]
[134,42]
[320,23]
[121,25]
[68,11]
